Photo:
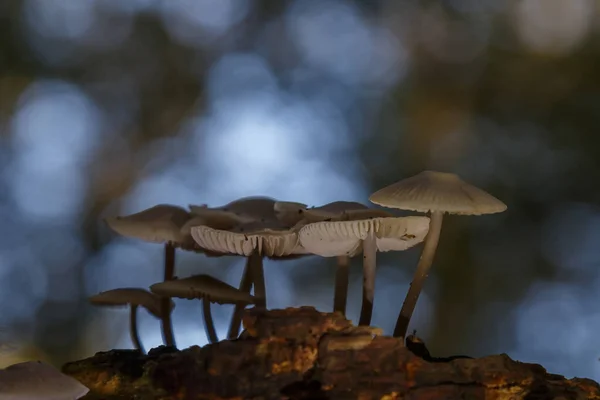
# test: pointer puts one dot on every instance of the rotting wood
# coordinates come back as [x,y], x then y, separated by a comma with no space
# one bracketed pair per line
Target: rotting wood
[300,353]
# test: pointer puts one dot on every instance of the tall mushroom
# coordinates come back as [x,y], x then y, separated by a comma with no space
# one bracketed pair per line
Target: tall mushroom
[38,380]
[435,193]
[207,289]
[254,241]
[297,213]
[158,224]
[359,231]
[134,297]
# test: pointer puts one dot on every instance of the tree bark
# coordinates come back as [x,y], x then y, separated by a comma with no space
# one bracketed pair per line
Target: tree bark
[300,353]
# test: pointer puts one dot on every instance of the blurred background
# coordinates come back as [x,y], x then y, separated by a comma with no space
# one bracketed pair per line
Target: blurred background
[108,107]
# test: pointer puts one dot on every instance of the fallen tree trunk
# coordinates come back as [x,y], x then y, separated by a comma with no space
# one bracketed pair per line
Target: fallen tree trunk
[300,353]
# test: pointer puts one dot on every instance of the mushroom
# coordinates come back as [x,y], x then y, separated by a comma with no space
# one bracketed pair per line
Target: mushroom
[134,297]
[335,238]
[298,213]
[436,193]
[158,224]
[253,240]
[208,290]
[245,210]
[38,380]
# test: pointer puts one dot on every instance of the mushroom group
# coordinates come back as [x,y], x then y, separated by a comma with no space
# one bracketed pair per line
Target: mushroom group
[259,227]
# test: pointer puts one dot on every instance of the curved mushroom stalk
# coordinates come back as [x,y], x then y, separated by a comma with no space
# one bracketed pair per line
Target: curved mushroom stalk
[165,313]
[369,270]
[342,275]
[133,329]
[245,287]
[425,262]
[209,324]
[208,290]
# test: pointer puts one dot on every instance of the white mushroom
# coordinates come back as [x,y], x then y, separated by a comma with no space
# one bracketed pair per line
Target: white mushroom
[335,238]
[436,193]
[298,215]
[37,380]
[253,240]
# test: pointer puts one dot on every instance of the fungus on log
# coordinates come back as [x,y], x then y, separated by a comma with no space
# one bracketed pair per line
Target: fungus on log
[300,353]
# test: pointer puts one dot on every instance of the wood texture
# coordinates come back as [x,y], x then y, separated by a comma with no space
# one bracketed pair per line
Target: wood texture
[300,353]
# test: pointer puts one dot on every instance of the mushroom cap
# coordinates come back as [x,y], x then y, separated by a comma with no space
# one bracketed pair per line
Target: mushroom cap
[125,296]
[158,224]
[289,212]
[332,211]
[38,380]
[202,287]
[437,191]
[293,214]
[337,238]
[244,210]
[269,238]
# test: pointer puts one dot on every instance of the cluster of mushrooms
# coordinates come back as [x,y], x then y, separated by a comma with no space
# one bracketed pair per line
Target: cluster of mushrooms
[258,227]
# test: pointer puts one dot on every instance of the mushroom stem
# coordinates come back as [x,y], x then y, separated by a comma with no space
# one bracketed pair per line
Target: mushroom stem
[258,278]
[209,325]
[133,331]
[369,267]
[165,304]
[341,284]
[245,286]
[429,248]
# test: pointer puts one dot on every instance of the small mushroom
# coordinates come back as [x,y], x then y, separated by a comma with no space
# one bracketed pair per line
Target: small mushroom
[435,193]
[158,224]
[254,241]
[38,380]
[335,238]
[299,214]
[208,290]
[134,297]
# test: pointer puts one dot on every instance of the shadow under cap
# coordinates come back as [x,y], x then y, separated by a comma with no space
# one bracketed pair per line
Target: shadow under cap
[437,191]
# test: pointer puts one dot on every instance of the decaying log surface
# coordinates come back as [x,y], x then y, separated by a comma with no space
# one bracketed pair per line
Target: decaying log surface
[300,353]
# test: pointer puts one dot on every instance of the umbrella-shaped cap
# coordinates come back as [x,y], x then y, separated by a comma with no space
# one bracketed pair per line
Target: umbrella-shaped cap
[244,210]
[159,224]
[269,238]
[38,380]
[202,287]
[125,296]
[437,191]
[337,238]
